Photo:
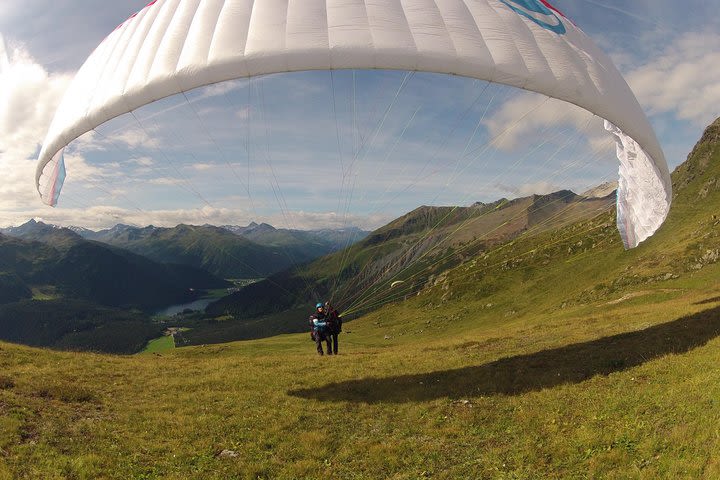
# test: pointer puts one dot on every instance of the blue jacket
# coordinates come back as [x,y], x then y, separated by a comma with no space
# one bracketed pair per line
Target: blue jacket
[318,322]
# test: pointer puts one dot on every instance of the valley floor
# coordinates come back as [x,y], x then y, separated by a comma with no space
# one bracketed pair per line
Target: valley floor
[623,388]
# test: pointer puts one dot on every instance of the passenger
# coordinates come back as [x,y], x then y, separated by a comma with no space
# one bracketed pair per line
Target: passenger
[334,321]
[318,322]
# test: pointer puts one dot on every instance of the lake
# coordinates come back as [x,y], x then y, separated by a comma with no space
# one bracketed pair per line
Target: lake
[197,305]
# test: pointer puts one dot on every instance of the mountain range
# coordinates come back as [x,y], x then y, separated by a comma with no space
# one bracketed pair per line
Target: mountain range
[43,260]
[62,291]
[253,251]
[328,240]
[73,275]
[418,245]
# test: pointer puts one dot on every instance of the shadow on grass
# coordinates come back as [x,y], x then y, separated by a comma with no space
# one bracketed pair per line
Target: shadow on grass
[708,301]
[535,371]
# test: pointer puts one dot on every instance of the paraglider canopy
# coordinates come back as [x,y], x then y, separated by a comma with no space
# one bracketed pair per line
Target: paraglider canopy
[173,46]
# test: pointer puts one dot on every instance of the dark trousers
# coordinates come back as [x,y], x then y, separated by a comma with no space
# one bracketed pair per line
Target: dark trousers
[319,338]
[333,338]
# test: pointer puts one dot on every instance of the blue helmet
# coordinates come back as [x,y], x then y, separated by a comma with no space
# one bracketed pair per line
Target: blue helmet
[318,305]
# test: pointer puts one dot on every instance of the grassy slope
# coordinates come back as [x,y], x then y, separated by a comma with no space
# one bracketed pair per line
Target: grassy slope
[561,397]
[595,365]
[159,345]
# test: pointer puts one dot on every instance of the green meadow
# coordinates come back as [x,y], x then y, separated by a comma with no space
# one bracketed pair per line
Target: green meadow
[604,390]
[161,344]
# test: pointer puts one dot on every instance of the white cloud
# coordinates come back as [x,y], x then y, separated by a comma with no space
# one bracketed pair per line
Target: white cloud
[142,161]
[243,113]
[29,96]
[683,80]
[535,188]
[136,138]
[222,88]
[163,181]
[528,119]
[679,78]
[28,99]
[4,59]
[202,167]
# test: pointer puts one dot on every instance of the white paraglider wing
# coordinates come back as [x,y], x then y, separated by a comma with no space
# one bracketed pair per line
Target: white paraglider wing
[173,46]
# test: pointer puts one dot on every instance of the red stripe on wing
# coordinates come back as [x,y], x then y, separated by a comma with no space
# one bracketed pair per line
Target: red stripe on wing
[547,4]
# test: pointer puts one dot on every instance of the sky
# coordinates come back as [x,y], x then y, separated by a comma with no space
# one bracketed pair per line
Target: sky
[349,148]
